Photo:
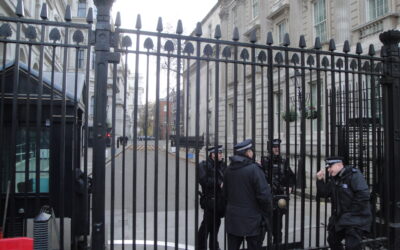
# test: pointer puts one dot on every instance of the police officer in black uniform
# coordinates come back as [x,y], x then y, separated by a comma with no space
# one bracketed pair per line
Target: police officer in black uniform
[211,197]
[351,213]
[283,180]
[249,199]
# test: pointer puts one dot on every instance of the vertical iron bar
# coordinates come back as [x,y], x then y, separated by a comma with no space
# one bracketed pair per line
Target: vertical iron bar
[135,148]
[216,135]
[74,148]
[303,142]
[319,128]
[156,130]
[374,144]
[310,109]
[146,125]
[166,151]
[113,127]
[326,94]
[14,125]
[2,143]
[391,98]
[63,135]
[253,98]
[360,117]
[235,95]
[27,134]
[187,150]
[86,196]
[197,128]
[244,98]
[102,47]
[177,138]
[347,107]
[333,108]
[125,141]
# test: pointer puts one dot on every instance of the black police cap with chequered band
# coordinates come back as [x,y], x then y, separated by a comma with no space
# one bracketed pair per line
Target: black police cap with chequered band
[276,142]
[244,145]
[333,160]
[212,149]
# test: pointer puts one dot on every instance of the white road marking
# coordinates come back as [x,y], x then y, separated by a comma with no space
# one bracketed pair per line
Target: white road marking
[151,243]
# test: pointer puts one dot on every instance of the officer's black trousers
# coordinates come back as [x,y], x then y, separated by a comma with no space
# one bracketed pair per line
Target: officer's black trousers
[253,242]
[207,229]
[352,237]
[277,225]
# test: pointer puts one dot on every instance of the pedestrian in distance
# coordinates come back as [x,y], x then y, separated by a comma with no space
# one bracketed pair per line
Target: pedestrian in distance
[351,213]
[211,197]
[282,181]
[248,198]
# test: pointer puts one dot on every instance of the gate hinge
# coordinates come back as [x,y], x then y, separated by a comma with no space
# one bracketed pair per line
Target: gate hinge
[114,39]
[114,57]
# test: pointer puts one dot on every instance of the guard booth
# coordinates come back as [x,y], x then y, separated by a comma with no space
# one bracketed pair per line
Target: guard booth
[34,171]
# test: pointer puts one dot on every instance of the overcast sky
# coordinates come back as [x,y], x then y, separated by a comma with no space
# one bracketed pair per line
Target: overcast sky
[189,11]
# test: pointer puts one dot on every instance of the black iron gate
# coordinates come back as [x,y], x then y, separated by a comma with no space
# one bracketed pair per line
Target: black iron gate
[197,91]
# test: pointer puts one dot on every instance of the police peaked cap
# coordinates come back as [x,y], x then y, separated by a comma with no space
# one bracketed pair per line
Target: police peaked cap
[276,142]
[244,145]
[212,149]
[333,160]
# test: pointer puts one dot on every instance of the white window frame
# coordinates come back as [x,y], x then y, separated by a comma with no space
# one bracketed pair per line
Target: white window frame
[255,8]
[281,33]
[320,23]
[82,8]
[373,11]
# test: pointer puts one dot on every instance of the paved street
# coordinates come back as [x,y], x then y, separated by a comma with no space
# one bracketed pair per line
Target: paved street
[165,198]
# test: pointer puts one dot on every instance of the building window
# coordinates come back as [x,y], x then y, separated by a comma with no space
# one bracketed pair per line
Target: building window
[91,107]
[93,60]
[376,8]
[255,8]
[81,58]
[235,17]
[320,20]
[277,112]
[165,108]
[82,8]
[25,178]
[281,31]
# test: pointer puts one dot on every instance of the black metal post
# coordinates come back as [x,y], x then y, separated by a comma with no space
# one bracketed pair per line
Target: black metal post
[391,121]
[102,48]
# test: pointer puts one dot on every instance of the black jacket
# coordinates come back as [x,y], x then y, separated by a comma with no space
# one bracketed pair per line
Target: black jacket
[350,199]
[280,173]
[207,183]
[248,196]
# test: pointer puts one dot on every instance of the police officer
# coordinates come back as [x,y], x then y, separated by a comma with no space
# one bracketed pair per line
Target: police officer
[351,215]
[283,180]
[211,197]
[249,199]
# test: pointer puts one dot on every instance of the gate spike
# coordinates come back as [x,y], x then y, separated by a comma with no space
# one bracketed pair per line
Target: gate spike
[371,50]
[302,42]
[270,39]
[332,45]
[217,34]
[118,20]
[199,30]
[179,27]
[253,36]
[235,34]
[159,25]
[20,9]
[43,12]
[317,43]
[286,40]
[138,25]
[89,17]
[359,50]
[346,46]
[68,16]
